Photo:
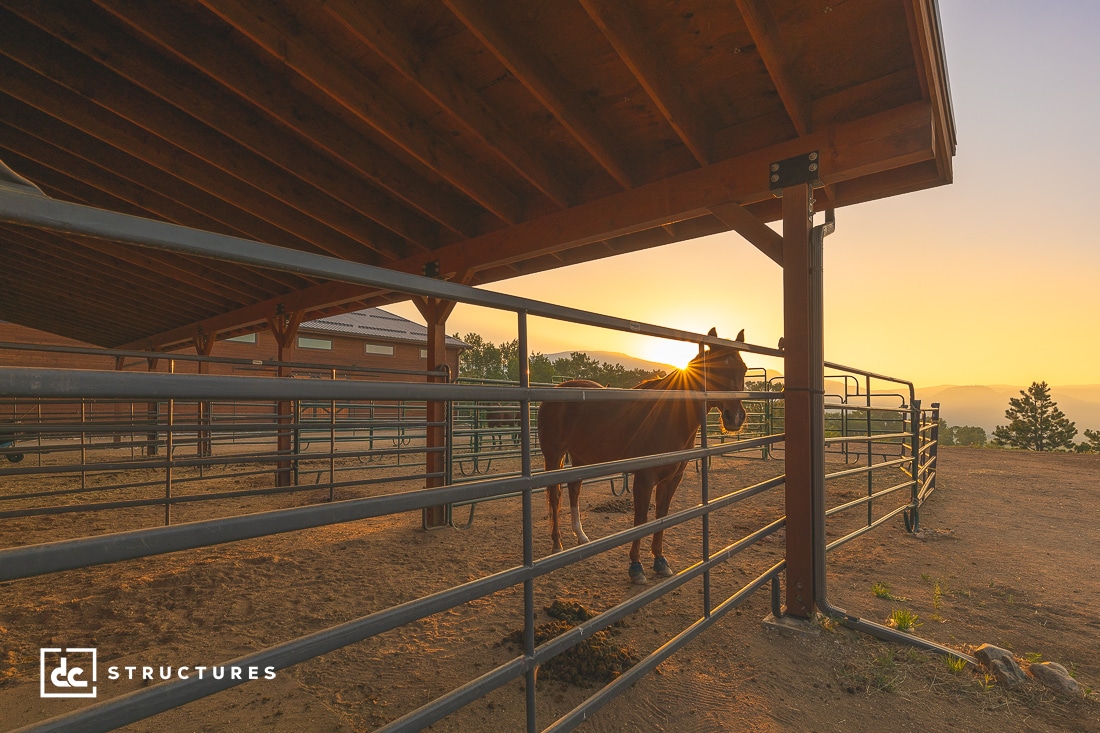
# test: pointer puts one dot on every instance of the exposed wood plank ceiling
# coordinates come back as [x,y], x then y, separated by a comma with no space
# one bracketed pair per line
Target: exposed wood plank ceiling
[496,138]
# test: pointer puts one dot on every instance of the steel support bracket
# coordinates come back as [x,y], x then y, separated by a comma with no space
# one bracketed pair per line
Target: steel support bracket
[803,168]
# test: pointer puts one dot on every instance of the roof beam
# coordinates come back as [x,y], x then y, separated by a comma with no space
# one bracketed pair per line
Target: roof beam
[547,85]
[77,110]
[193,41]
[283,38]
[99,36]
[103,166]
[765,34]
[888,140]
[758,234]
[332,227]
[88,281]
[621,27]
[391,39]
[893,139]
[220,287]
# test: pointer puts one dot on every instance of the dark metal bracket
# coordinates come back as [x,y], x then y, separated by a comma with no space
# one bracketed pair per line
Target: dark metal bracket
[794,171]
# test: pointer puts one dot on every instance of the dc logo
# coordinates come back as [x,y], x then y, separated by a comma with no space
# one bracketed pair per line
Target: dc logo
[67,672]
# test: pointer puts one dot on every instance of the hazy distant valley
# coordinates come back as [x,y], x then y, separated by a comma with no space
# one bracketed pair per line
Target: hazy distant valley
[984,405]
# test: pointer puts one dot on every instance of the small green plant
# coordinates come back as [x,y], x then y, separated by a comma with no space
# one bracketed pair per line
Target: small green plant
[882,590]
[955,665]
[1033,657]
[937,602]
[903,619]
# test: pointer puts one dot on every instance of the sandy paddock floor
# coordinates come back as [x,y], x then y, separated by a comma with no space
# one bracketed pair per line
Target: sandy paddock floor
[1005,556]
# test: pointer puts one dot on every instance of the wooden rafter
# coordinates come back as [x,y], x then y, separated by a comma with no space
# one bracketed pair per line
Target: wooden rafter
[167,25]
[755,231]
[894,139]
[547,85]
[620,25]
[341,199]
[386,34]
[218,174]
[279,35]
[765,34]
[890,140]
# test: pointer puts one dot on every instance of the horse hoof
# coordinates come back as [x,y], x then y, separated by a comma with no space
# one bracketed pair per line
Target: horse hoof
[637,575]
[660,566]
[555,550]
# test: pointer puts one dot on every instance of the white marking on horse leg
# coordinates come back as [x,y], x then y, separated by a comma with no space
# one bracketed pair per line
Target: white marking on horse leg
[578,530]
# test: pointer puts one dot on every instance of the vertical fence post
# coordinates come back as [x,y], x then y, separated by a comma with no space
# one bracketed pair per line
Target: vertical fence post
[913,519]
[934,450]
[704,481]
[528,520]
[83,444]
[168,445]
[332,446]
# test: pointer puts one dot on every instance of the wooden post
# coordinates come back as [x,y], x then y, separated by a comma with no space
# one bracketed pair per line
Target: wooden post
[799,320]
[435,312]
[284,326]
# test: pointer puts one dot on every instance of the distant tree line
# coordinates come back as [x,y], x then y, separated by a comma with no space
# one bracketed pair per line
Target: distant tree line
[1034,423]
[486,360]
[965,435]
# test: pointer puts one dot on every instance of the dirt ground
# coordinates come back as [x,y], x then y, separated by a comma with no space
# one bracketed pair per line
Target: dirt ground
[1007,556]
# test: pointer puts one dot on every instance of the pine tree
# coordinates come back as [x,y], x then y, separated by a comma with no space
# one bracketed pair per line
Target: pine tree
[1035,422]
[1093,438]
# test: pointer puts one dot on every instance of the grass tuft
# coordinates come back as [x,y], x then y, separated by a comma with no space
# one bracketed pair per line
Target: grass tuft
[903,619]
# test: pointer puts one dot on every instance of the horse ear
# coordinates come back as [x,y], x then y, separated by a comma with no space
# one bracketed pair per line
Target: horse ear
[712,332]
[741,336]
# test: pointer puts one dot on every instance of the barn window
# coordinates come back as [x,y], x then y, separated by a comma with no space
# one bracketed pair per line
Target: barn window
[248,338]
[423,353]
[305,342]
[379,349]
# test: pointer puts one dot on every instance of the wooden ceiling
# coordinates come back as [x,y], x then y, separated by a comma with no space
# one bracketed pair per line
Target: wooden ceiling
[497,138]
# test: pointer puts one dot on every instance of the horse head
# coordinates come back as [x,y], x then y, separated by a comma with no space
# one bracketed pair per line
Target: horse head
[723,370]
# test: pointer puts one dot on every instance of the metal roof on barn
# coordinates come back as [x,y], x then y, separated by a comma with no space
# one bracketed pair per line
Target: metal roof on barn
[375,323]
[496,139]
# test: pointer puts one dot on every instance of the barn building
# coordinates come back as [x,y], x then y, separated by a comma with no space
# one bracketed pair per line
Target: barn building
[372,339]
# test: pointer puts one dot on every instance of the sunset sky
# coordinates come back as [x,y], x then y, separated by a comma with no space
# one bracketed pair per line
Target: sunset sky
[994,279]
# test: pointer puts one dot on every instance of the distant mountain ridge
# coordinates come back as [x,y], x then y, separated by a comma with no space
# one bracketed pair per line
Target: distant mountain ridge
[984,405]
[614,357]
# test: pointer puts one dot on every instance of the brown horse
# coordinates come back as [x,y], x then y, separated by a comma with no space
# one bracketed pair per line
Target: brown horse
[502,420]
[598,431]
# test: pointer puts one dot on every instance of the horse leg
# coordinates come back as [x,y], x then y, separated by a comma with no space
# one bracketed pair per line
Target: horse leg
[553,500]
[643,490]
[666,488]
[575,512]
